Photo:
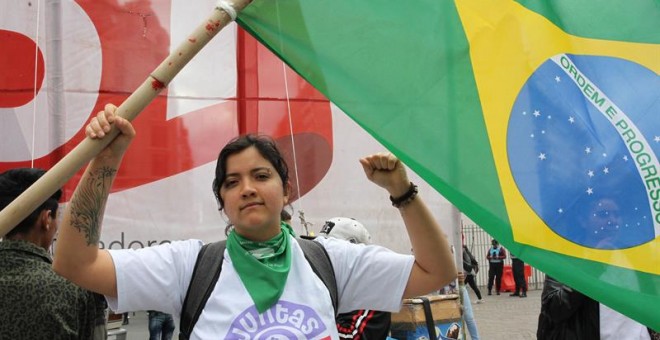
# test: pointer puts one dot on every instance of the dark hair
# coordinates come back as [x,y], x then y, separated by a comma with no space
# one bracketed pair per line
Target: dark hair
[285,216]
[267,149]
[13,183]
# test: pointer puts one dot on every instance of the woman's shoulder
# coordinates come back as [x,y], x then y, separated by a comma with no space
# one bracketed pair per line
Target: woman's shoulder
[341,249]
[336,245]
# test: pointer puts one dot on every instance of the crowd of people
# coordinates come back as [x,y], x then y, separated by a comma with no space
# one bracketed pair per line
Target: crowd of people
[266,268]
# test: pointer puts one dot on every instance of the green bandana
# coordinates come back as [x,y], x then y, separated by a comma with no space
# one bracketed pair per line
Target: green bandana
[263,267]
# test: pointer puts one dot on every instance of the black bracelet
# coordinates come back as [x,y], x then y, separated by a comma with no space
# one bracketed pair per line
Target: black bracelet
[406,198]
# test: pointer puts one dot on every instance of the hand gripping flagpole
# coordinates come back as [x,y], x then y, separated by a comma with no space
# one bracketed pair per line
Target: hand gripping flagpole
[224,13]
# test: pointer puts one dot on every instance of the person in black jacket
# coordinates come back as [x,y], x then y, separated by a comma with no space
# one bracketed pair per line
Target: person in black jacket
[362,324]
[471,268]
[566,314]
[518,267]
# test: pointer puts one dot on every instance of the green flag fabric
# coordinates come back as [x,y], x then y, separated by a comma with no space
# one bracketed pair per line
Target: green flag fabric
[537,119]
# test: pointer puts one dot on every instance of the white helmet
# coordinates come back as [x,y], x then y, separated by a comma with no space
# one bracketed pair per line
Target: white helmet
[345,228]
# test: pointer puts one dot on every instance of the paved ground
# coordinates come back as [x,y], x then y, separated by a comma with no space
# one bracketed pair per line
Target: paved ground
[498,318]
[507,318]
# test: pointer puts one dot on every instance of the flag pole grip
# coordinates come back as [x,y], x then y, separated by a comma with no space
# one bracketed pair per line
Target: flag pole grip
[223,14]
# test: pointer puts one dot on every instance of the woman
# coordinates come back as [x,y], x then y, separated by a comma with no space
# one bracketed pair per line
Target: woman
[265,287]
[471,268]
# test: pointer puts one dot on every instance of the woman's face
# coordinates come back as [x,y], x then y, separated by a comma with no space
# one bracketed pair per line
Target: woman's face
[253,195]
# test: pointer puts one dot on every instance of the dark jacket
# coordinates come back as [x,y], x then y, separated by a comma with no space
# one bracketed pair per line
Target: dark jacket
[36,302]
[470,264]
[364,324]
[567,314]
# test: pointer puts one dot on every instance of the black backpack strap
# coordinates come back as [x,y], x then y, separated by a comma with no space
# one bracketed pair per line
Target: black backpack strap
[428,315]
[205,275]
[318,258]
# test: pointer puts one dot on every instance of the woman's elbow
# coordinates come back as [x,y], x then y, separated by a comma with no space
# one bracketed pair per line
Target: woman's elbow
[447,275]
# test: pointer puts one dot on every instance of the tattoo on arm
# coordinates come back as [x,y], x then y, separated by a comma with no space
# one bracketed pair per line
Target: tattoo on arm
[88,203]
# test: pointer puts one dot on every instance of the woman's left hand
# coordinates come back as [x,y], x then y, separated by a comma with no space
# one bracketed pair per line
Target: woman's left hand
[387,171]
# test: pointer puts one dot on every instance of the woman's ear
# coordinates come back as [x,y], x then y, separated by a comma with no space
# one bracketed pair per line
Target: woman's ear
[287,192]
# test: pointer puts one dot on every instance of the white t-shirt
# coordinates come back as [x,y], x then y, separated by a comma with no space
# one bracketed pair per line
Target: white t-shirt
[157,278]
[616,326]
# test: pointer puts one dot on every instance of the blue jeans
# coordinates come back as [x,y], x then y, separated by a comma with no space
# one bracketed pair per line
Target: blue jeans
[470,323]
[161,326]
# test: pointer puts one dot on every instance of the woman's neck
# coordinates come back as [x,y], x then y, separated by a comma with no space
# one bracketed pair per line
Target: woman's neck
[259,235]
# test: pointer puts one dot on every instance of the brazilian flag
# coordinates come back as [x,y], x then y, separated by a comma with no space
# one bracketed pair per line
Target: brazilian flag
[540,120]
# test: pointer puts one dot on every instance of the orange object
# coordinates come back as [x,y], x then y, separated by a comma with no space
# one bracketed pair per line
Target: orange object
[508,283]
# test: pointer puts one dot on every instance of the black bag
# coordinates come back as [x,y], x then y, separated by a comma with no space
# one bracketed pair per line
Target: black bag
[469,262]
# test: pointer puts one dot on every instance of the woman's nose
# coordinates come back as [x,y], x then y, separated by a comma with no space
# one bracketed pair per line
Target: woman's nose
[247,189]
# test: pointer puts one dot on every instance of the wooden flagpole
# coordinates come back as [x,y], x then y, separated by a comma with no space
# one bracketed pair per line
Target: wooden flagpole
[224,13]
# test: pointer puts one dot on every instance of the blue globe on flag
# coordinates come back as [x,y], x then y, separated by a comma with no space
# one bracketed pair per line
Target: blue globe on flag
[582,142]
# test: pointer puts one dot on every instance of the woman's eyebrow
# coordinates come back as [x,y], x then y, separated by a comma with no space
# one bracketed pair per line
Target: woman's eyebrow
[257,169]
[268,169]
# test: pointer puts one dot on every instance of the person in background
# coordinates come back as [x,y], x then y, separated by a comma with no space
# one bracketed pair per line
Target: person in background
[161,325]
[100,317]
[471,268]
[518,267]
[496,255]
[567,314]
[36,302]
[468,315]
[363,323]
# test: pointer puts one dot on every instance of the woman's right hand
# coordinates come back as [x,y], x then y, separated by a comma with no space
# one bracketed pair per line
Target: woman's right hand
[101,125]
